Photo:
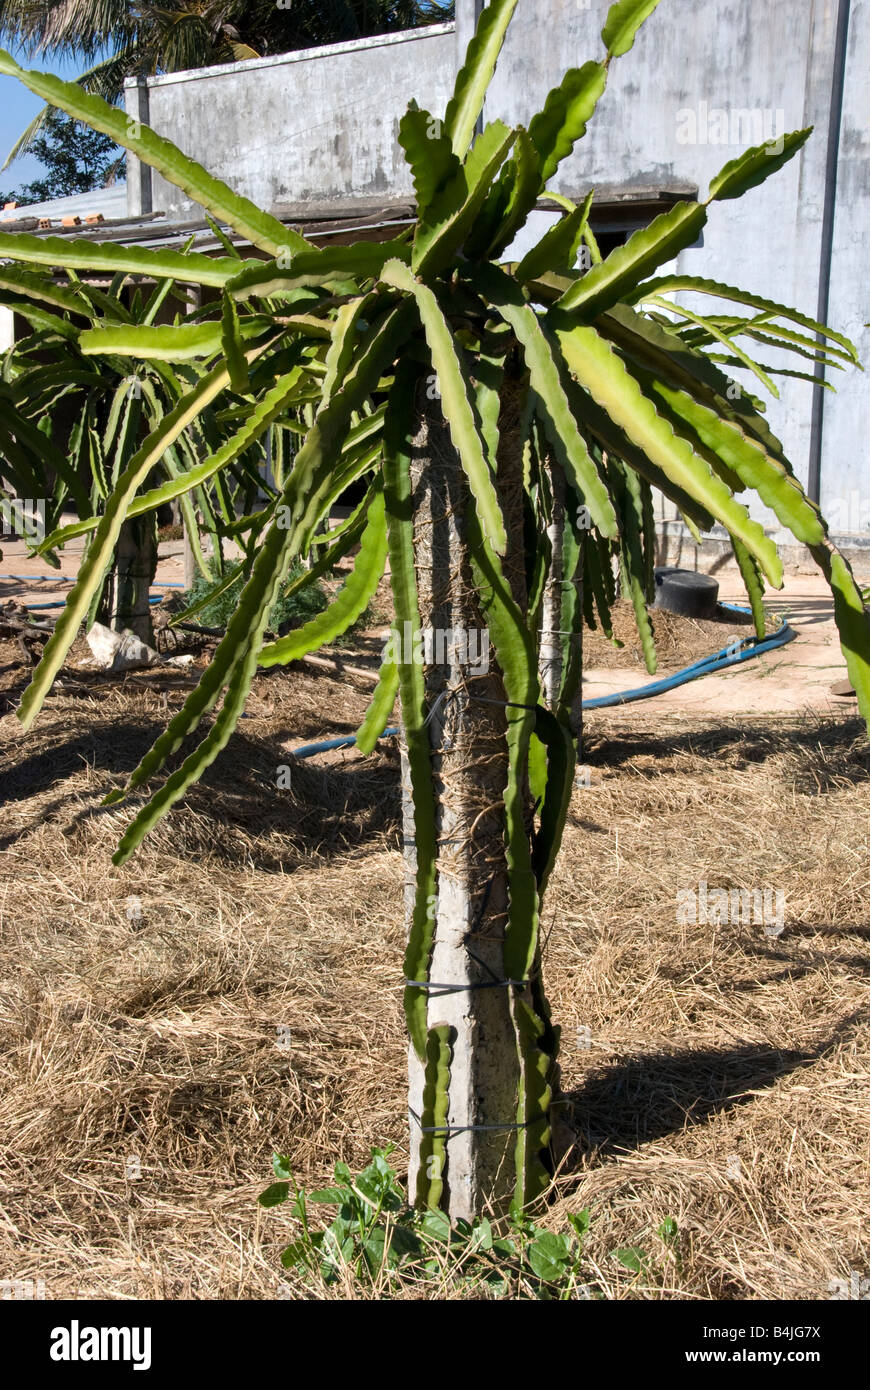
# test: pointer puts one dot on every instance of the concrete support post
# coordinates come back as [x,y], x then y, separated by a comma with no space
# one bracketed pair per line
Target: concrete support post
[138,174]
[469,762]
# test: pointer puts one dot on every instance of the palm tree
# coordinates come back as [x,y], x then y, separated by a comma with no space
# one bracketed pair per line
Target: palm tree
[139,38]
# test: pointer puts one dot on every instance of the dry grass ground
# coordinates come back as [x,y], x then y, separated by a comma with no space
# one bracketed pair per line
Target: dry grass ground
[712,1073]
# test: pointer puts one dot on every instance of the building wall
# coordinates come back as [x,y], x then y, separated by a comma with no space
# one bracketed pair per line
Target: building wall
[306,126]
[701,83]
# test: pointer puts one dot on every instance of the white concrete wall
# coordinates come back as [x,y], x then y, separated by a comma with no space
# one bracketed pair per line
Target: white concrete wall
[313,125]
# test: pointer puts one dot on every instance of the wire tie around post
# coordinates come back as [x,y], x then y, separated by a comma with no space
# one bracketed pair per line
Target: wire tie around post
[458,989]
[448,1131]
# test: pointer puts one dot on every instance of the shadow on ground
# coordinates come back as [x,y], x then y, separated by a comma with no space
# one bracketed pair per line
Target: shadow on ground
[824,754]
[636,1100]
[324,811]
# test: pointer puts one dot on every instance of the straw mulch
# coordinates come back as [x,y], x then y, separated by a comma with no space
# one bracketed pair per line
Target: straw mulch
[235,989]
[678,640]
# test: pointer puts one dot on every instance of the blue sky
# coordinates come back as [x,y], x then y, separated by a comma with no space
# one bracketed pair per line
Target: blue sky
[18,106]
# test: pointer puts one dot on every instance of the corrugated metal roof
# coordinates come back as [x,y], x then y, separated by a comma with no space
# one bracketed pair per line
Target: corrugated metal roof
[367,219]
[111,202]
[338,222]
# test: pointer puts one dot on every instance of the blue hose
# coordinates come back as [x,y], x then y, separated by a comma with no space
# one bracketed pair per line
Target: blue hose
[718,661]
[309,749]
[61,603]
[42,578]
[66,579]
